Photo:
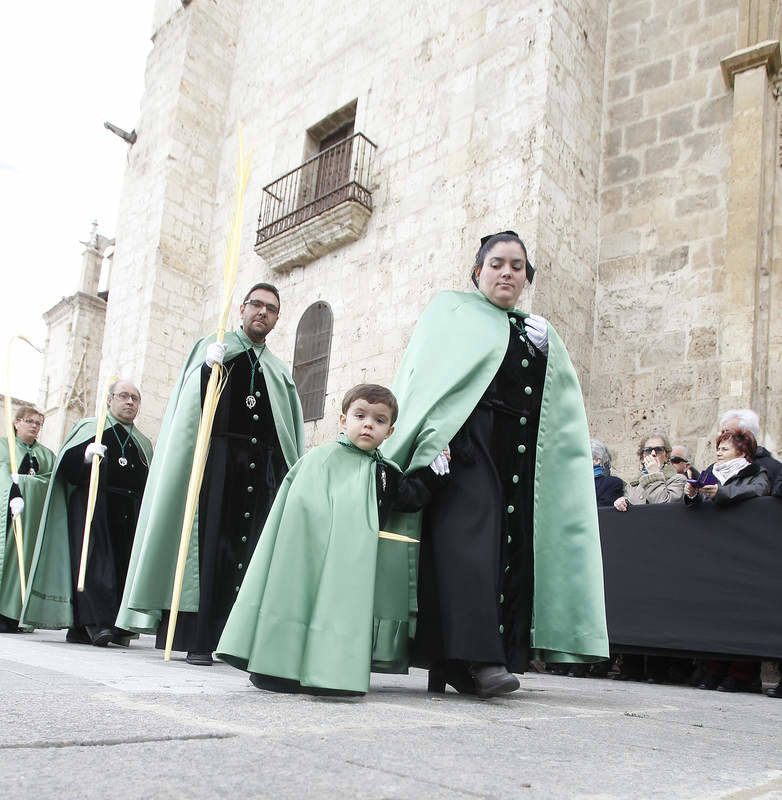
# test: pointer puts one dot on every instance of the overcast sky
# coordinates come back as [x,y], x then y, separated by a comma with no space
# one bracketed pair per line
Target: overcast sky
[67,67]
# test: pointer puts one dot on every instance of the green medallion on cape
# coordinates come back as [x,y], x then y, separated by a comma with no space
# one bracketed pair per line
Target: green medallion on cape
[150,578]
[33,491]
[50,587]
[454,353]
[304,611]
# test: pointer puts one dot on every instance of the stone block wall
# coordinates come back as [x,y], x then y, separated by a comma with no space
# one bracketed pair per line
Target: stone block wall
[663,221]
[482,122]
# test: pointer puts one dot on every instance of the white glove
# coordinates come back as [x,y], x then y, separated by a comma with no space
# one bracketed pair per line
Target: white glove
[94,449]
[537,332]
[215,353]
[15,478]
[16,504]
[440,464]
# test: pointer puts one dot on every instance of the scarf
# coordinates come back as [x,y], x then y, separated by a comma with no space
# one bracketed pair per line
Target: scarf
[728,469]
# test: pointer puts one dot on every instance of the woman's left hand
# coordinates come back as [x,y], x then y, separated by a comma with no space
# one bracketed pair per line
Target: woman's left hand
[709,491]
[537,332]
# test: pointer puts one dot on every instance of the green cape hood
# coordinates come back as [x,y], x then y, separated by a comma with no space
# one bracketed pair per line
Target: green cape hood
[150,578]
[455,351]
[50,586]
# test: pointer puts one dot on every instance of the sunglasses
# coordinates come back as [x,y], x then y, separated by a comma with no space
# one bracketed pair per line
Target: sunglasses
[648,450]
[678,460]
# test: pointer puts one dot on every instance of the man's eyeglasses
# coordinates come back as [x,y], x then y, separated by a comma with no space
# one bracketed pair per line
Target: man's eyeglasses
[125,396]
[649,450]
[678,460]
[259,304]
[32,421]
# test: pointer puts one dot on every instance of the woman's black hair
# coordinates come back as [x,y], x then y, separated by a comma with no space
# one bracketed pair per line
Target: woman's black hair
[487,242]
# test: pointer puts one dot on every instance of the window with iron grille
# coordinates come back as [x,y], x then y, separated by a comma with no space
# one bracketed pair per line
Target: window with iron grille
[311,358]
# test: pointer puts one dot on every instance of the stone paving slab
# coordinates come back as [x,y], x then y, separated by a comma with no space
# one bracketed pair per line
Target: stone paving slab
[84,722]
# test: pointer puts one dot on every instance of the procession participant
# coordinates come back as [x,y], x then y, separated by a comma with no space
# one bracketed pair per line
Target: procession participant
[257,435]
[25,493]
[52,599]
[513,537]
[303,619]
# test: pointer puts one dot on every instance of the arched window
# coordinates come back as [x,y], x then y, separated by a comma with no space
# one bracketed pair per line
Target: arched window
[311,358]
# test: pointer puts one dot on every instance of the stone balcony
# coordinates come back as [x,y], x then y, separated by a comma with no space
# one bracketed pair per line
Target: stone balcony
[321,205]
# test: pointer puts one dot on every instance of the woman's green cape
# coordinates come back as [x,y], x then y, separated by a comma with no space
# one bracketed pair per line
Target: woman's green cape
[304,611]
[50,585]
[33,490]
[455,351]
[150,578]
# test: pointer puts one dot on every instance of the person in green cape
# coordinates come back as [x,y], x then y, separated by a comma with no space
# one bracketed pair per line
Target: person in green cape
[303,618]
[257,435]
[24,492]
[510,565]
[125,453]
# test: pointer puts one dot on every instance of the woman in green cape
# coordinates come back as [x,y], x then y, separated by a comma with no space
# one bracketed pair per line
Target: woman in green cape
[510,566]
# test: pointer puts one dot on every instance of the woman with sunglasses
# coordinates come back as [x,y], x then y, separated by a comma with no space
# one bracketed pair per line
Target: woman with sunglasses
[659,482]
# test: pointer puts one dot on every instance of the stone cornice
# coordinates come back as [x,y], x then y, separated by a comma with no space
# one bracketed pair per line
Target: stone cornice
[79,299]
[761,54]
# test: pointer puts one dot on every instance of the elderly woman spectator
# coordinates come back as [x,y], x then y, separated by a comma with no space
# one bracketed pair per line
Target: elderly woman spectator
[659,482]
[735,475]
[607,487]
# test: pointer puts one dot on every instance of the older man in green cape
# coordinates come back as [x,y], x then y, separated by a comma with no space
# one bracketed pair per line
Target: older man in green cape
[257,435]
[34,462]
[52,600]
[456,350]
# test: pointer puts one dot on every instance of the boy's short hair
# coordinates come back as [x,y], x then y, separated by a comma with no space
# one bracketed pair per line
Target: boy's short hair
[372,393]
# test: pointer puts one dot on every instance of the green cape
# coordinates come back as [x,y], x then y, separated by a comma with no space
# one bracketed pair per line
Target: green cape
[33,490]
[150,578]
[50,587]
[304,611]
[455,351]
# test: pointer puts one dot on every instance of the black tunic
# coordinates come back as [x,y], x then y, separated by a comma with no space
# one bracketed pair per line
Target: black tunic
[117,505]
[243,472]
[476,564]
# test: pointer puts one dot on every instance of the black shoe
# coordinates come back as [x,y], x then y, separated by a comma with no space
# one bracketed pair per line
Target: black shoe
[271,683]
[453,673]
[775,691]
[578,671]
[100,637]
[732,684]
[78,635]
[492,680]
[121,637]
[199,659]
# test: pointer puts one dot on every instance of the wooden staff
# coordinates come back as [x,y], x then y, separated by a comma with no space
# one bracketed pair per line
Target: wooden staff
[397,537]
[11,435]
[230,269]
[92,495]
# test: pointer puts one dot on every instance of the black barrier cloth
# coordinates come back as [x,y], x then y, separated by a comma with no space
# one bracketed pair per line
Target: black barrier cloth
[695,581]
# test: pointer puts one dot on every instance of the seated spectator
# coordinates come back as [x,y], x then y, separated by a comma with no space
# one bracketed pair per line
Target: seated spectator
[659,482]
[680,458]
[738,476]
[746,419]
[607,487]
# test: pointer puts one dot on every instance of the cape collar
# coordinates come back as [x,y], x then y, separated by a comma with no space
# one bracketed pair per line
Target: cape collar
[375,455]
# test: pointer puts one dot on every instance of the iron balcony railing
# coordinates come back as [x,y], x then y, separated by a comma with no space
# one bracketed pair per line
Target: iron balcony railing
[339,173]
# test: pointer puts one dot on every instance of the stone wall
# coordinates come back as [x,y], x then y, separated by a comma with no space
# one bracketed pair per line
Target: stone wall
[663,222]
[482,123]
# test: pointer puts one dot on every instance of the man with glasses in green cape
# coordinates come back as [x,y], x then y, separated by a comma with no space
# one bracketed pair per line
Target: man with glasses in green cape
[24,494]
[257,436]
[52,599]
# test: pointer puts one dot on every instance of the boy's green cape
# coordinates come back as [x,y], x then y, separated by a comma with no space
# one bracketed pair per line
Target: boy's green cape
[150,578]
[304,611]
[50,586]
[33,490]
[455,351]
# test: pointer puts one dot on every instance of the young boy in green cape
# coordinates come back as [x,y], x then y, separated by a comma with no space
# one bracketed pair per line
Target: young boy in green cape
[303,620]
